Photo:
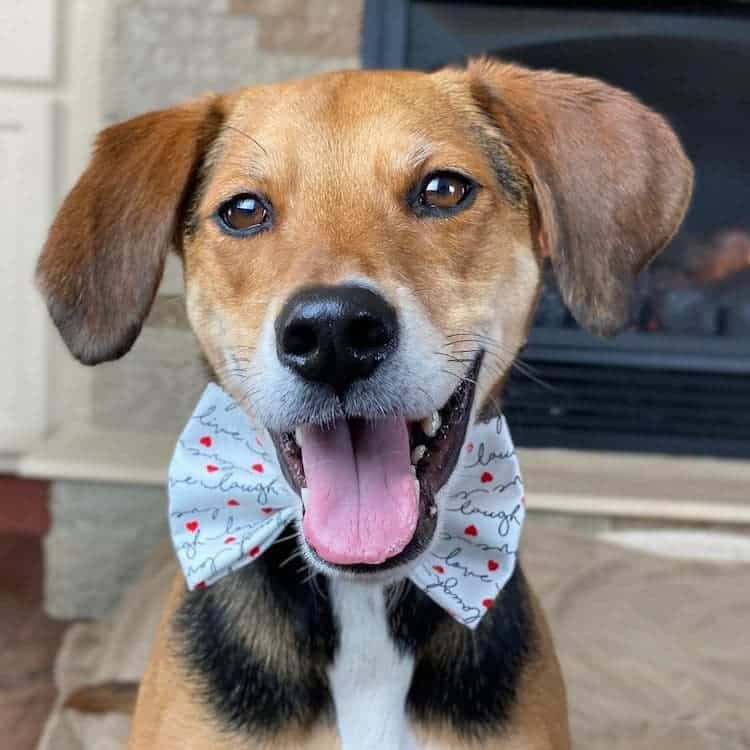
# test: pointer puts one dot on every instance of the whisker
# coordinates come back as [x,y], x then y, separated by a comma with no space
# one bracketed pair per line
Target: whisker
[314,582]
[495,348]
[293,556]
[466,379]
[286,538]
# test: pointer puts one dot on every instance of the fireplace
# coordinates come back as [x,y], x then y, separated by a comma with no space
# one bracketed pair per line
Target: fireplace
[678,380]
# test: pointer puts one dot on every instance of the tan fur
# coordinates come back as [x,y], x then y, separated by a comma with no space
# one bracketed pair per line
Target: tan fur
[570,169]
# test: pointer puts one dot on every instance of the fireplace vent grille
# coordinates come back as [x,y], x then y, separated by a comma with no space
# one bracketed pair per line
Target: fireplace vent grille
[599,407]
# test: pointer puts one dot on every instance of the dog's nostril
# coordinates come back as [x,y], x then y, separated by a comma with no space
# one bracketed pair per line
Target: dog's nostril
[300,339]
[366,333]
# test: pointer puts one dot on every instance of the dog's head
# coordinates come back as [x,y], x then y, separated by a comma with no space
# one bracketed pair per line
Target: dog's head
[362,254]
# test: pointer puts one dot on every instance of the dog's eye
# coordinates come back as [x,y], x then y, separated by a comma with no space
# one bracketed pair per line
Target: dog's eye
[243,214]
[443,194]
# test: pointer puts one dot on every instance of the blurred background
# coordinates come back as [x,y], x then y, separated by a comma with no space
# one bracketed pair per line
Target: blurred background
[645,439]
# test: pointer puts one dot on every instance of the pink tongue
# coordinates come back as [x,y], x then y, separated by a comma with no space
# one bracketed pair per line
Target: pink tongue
[361,505]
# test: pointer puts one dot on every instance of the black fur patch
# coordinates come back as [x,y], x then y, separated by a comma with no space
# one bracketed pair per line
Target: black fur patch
[215,628]
[466,679]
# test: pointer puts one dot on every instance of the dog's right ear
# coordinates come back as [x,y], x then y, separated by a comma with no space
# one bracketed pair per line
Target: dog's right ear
[103,260]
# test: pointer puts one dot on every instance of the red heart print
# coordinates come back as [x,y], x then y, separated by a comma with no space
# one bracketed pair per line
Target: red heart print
[486,477]
[254,551]
[211,468]
[192,526]
[438,568]
[234,503]
[492,565]
[206,440]
[523,500]
[267,509]
[200,585]
[487,603]
[469,447]
[258,468]
[230,539]
[471,530]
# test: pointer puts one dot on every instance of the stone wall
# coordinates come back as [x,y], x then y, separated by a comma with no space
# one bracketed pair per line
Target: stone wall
[164,51]
[167,50]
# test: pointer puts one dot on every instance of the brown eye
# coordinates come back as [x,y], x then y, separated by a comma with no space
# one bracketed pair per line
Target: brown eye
[244,214]
[443,194]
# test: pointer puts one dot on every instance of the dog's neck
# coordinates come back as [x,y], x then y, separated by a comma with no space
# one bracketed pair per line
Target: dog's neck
[309,651]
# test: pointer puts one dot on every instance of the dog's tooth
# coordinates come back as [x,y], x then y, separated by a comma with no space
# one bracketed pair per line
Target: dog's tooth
[418,454]
[431,424]
[413,470]
[432,510]
[427,426]
[298,436]
[417,487]
[304,492]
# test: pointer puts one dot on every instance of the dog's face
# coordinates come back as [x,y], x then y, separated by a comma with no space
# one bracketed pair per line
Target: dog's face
[373,209]
[362,253]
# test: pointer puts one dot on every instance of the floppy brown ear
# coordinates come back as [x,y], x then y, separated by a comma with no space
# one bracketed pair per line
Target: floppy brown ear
[610,180]
[105,254]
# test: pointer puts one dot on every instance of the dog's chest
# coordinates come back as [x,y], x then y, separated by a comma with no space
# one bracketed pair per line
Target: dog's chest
[369,678]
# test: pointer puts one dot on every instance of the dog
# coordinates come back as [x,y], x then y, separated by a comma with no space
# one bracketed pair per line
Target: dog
[355,245]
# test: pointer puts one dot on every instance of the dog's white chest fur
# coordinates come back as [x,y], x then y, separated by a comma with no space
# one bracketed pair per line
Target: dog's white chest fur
[369,678]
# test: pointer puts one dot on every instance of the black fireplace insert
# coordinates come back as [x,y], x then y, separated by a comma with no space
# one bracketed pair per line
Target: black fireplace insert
[678,380]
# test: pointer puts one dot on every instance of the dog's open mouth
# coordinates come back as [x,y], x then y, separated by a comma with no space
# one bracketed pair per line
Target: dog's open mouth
[368,486]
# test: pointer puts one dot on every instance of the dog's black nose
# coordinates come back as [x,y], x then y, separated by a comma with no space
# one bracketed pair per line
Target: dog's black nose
[335,334]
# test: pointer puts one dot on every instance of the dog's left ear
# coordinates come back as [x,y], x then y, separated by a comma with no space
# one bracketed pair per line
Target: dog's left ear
[104,257]
[609,181]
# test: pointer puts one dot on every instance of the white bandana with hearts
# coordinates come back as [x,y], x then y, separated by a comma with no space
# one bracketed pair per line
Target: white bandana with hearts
[229,502]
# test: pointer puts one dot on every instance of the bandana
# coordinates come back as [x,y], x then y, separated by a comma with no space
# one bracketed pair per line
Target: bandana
[229,502]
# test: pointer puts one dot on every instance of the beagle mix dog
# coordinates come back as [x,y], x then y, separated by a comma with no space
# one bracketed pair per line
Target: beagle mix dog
[355,245]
